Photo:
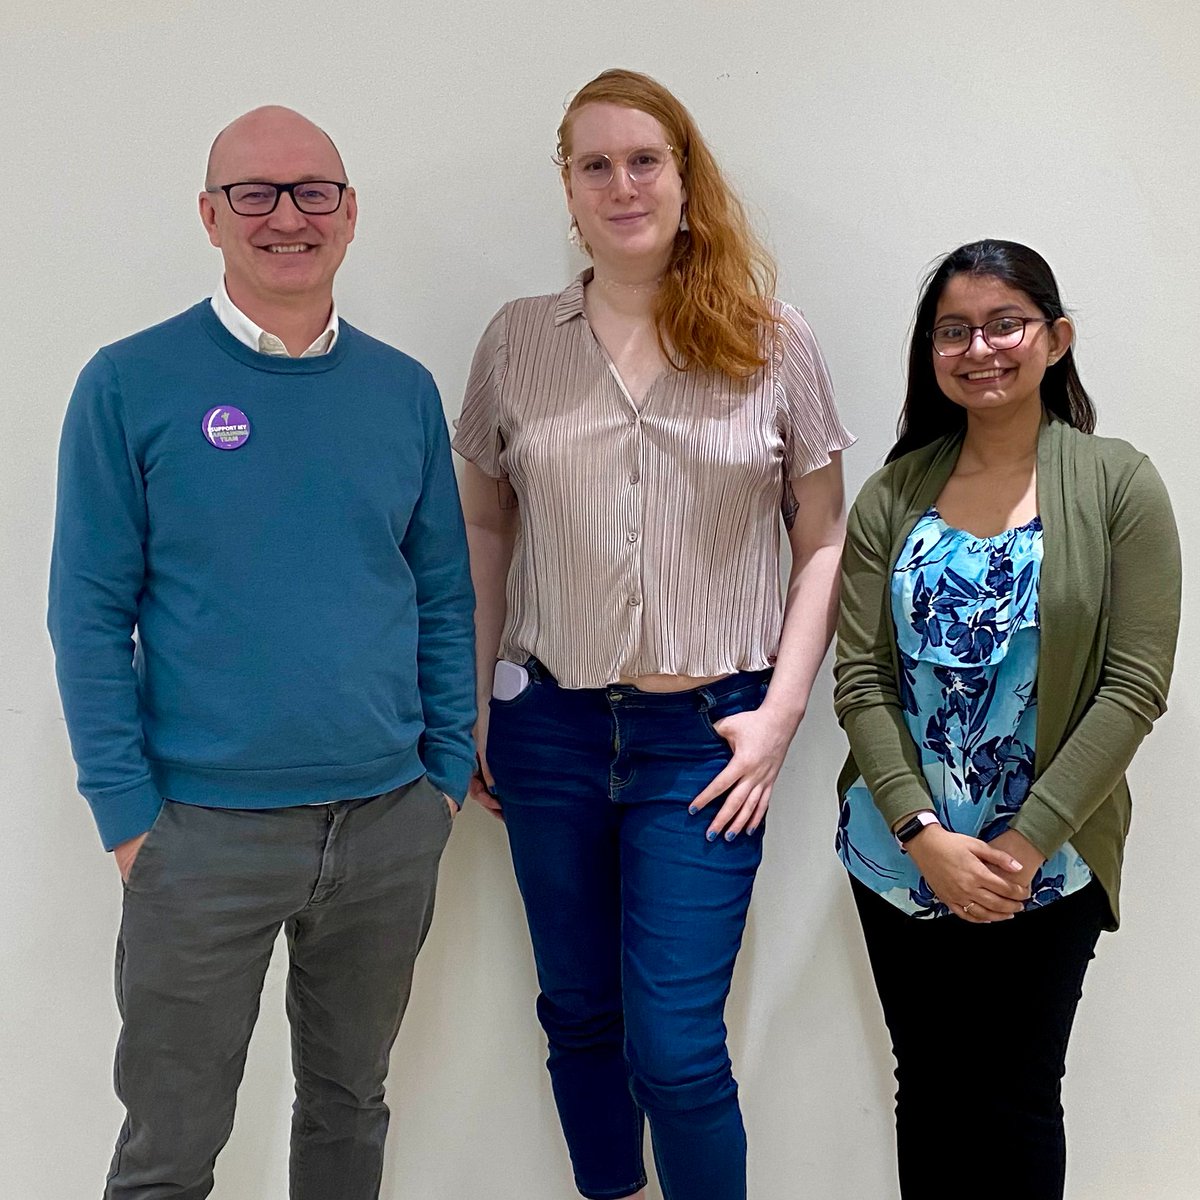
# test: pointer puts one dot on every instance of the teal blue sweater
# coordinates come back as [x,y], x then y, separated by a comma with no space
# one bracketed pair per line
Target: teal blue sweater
[302,603]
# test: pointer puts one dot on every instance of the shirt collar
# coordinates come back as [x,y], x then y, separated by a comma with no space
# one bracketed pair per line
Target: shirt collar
[570,299]
[252,335]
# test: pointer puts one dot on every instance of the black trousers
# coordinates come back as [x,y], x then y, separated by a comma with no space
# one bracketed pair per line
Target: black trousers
[979,1017]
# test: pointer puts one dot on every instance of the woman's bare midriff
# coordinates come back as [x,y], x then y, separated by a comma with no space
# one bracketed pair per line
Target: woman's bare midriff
[668,683]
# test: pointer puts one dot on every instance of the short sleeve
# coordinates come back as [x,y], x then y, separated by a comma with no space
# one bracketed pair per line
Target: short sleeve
[808,416]
[477,433]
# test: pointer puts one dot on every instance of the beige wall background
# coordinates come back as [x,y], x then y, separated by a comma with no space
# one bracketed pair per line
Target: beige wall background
[868,139]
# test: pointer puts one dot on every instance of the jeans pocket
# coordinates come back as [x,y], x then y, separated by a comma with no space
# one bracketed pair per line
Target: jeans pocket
[743,699]
[511,683]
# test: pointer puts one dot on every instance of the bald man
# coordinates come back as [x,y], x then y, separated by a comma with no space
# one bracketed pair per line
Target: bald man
[264,496]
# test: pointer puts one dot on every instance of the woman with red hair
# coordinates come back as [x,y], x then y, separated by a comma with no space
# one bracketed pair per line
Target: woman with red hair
[632,443]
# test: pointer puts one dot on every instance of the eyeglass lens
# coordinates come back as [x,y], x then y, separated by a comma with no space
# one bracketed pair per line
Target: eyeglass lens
[314,196]
[642,166]
[1003,333]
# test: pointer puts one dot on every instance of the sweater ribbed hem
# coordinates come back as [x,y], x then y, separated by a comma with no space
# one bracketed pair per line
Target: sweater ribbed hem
[284,787]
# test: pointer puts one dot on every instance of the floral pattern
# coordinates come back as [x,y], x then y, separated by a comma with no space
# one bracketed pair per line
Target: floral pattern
[966,615]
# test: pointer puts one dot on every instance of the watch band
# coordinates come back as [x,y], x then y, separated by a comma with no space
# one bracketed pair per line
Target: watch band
[913,826]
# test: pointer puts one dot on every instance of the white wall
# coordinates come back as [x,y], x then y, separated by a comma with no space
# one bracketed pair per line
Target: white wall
[869,138]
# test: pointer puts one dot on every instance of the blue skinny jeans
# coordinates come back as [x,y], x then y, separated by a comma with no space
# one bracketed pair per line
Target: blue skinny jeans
[636,920]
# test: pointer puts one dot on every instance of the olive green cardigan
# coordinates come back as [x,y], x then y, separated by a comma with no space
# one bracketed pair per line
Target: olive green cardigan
[1108,612]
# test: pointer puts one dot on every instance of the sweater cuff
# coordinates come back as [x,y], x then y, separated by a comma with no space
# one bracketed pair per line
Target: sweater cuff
[121,815]
[902,798]
[1038,823]
[449,773]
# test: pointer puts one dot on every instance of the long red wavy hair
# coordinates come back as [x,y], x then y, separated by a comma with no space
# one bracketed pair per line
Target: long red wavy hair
[713,309]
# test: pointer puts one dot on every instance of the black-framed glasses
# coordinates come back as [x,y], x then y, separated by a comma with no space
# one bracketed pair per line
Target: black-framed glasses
[1001,333]
[257,198]
[643,165]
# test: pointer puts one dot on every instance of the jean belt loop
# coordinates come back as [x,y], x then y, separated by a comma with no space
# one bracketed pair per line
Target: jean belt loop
[704,699]
[535,669]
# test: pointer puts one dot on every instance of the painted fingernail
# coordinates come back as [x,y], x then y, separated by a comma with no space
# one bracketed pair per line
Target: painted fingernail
[693,809]
[730,835]
[711,835]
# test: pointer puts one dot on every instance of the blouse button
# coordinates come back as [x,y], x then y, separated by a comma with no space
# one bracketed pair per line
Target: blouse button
[634,601]
[634,477]
[632,535]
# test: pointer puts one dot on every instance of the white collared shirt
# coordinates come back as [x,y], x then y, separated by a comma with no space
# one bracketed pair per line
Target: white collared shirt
[258,339]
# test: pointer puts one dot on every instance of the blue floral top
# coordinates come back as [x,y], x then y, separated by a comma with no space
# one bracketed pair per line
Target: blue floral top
[966,615]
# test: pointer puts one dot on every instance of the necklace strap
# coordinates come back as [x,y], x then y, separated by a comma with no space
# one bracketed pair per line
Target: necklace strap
[630,289]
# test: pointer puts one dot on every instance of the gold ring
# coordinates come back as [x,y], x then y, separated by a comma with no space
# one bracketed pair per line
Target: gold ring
[967,907]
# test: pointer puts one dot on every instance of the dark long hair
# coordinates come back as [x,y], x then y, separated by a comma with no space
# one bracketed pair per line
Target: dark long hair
[928,414]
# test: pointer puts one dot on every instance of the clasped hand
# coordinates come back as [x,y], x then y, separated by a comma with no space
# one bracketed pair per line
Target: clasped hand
[978,881]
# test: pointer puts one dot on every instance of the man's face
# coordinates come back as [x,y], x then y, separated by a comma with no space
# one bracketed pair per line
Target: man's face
[286,257]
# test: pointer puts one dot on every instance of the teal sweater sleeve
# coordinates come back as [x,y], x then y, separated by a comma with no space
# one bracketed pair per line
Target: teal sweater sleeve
[435,548]
[96,574]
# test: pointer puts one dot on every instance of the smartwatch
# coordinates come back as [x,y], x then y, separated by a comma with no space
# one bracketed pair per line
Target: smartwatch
[913,826]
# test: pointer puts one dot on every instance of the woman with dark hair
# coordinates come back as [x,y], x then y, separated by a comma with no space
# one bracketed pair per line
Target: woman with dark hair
[632,443]
[1010,602]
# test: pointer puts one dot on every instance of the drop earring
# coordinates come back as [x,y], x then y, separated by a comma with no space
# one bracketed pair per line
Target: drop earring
[684,227]
[574,236]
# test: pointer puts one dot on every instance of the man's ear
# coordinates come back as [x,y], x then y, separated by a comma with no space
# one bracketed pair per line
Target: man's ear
[208,216]
[351,203]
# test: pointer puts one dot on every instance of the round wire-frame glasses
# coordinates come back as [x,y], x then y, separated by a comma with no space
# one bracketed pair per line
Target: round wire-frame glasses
[643,165]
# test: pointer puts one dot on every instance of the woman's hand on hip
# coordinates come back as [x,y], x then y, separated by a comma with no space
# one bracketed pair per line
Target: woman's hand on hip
[976,880]
[759,739]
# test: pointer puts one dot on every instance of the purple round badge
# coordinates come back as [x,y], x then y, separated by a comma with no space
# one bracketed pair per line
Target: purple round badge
[226,427]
